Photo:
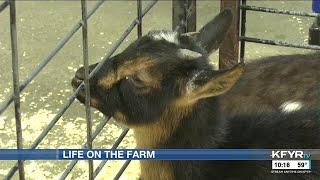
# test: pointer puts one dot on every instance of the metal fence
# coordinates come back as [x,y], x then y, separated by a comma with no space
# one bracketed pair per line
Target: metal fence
[182,21]
[242,10]
[18,88]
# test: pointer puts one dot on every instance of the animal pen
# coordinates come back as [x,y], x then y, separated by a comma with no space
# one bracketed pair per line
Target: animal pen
[183,20]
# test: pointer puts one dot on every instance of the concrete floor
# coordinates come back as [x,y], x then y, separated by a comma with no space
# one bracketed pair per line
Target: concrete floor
[40,27]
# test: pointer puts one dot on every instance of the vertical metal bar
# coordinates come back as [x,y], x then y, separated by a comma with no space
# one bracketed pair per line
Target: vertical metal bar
[139,14]
[314,32]
[229,49]
[109,53]
[37,70]
[178,19]
[86,81]
[53,52]
[242,30]
[238,18]
[15,75]
[184,15]
[73,96]
[191,13]
[98,129]
[114,146]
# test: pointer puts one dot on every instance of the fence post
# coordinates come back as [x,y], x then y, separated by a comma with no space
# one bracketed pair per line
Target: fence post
[16,89]
[229,49]
[184,15]
[86,82]
[139,15]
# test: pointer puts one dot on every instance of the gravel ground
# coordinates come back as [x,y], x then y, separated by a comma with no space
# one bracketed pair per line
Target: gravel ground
[40,27]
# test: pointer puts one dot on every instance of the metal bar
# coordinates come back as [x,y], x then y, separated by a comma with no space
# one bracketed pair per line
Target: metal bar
[139,28]
[229,49]
[73,96]
[123,168]
[102,164]
[243,30]
[178,16]
[99,128]
[191,16]
[184,15]
[46,60]
[37,70]
[48,128]
[15,75]
[122,37]
[74,162]
[238,16]
[314,32]
[279,43]
[86,82]
[109,53]
[114,146]
[278,11]
[4,5]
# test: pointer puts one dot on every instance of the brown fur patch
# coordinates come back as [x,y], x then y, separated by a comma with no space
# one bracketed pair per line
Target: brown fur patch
[269,82]
[94,103]
[149,80]
[128,68]
[151,134]
[163,170]
[120,117]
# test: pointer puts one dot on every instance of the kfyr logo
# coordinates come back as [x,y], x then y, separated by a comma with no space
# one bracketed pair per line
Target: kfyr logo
[290,155]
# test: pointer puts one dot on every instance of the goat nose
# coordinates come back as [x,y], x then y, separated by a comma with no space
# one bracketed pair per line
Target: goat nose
[80,73]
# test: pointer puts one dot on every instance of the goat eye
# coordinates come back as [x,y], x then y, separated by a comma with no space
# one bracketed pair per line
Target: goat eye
[135,81]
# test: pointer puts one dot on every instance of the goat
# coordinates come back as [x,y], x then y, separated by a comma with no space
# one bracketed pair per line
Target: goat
[163,87]
[278,83]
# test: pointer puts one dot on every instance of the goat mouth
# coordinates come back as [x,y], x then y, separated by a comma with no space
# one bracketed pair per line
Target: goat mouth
[81,96]
[76,82]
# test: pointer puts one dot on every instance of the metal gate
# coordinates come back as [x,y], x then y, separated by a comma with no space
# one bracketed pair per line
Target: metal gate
[183,21]
[242,10]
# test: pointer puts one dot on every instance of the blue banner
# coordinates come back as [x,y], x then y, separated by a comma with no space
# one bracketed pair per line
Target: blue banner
[316,6]
[158,154]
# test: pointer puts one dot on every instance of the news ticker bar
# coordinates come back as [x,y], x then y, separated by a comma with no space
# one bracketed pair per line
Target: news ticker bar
[159,154]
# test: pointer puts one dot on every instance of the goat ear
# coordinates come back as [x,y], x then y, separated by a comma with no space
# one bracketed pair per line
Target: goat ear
[211,35]
[206,84]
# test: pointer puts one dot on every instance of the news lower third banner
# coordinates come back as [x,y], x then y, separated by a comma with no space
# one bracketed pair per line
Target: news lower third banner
[159,154]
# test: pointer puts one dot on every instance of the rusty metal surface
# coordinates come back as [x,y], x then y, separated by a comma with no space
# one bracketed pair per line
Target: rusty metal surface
[229,49]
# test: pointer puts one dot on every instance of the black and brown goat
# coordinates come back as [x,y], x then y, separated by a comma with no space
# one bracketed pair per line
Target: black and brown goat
[163,87]
[278,83]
